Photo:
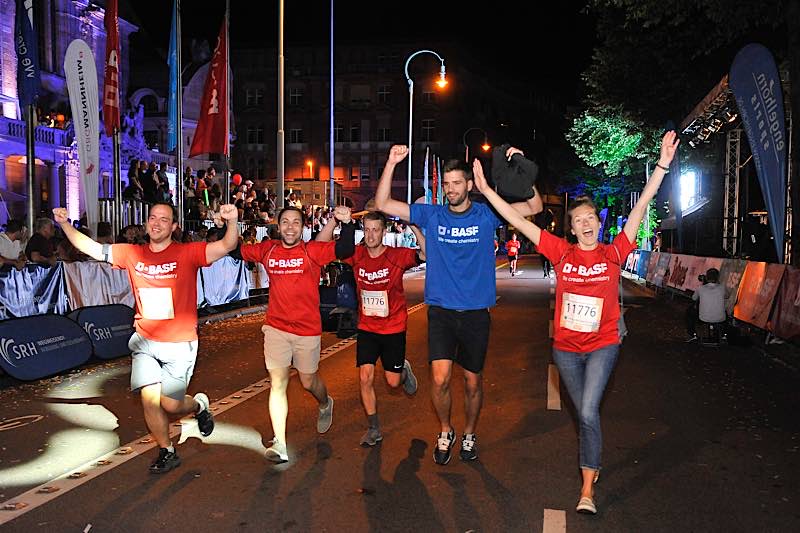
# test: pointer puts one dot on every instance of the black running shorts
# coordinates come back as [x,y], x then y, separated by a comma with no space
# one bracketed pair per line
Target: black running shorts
[461,336]
[391,348]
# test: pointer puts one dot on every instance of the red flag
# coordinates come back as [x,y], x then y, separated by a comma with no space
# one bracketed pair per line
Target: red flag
[111,82]
[211,135]
[435,184]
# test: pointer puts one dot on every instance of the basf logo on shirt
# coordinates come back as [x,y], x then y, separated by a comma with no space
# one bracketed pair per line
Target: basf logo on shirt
[459,235]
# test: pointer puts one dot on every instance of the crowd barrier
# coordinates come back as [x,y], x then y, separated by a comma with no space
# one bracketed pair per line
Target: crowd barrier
[765,295]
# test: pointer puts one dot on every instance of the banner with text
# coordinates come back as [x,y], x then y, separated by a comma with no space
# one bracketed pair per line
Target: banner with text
[109,328]
[34,290]
[757,292]
[786,315]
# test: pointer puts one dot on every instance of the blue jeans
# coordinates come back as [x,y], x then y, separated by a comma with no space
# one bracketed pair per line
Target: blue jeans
[585,376]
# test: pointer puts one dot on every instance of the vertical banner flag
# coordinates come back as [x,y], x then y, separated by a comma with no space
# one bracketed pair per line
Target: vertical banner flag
[756,85]
[435,182]
[425,176]
[28,80]
[81,73]
[439,194]
[174,76]
[111,80]
[211,135]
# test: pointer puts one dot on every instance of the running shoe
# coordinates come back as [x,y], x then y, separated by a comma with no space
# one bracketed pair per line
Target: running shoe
[410,383]
[444,447]
[277,452]
[166,461]
[205,420]
[469,448]
[691,338]
[371,437]
[586,506]
[325,417]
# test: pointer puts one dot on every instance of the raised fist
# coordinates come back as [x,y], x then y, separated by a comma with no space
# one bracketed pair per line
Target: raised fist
[60,215]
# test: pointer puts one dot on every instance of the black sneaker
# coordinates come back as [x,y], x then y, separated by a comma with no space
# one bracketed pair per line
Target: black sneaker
[205,420]
[444,447]
[166,461]
[469,448]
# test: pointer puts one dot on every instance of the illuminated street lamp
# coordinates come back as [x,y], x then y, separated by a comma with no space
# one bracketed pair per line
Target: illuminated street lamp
[441,82]
[485,146]
[310,165]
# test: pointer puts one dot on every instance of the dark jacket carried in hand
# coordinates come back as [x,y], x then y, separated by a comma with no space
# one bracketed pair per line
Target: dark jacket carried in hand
[514,179]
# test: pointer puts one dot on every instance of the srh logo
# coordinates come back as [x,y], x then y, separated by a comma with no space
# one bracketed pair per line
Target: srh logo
[286,263]
[371,276]
[581,270]
[95,333]
[10,351]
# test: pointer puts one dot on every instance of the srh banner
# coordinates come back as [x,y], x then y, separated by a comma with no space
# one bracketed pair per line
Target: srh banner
[757,292]
[786,315]
[109,328]
[756,84]
[81,73]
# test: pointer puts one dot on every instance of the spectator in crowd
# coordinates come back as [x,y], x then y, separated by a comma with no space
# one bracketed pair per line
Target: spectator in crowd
[708,304]
[105,234]
[11,244]
[40,246]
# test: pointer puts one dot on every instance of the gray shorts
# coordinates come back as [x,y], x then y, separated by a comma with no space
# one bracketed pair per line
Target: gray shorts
[168,363]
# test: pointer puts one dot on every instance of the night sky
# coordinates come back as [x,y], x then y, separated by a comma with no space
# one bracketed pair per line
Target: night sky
[552,46]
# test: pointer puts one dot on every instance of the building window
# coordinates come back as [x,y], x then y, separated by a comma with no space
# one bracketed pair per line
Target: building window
[428,129]
[355,133]
[384,134]
[338,133]
[255,135]
[359,94]
[151,138]
[296,135]
[364,172]
[295,96]
[255,97]
[150,104]
[384,94]
[258,172]
[429,97]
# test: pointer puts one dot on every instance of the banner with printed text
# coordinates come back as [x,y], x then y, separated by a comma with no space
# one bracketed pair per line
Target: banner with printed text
[786,314]
[757,292]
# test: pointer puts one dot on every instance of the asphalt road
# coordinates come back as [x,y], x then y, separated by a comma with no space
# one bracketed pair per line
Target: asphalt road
[696,439]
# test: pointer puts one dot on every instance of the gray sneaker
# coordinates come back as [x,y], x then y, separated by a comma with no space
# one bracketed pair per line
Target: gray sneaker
[410,383]
[325,417]
[277,452]
[371,437]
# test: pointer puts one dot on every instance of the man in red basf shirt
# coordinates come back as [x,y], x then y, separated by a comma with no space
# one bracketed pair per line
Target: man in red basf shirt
[293,326]
[163,276]
[382,318]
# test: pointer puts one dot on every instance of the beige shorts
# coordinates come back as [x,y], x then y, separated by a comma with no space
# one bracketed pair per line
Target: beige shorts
[283,349]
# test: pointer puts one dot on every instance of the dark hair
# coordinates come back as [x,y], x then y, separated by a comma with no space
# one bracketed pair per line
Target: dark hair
[577,202]
[712,275]
[14,225]
[292,208]
[104,229]
[171,208]
[376,215]
[457,164]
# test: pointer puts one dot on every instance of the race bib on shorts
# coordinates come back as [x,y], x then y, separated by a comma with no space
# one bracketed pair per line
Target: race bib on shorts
[156,303]
[375,303]
[581,313]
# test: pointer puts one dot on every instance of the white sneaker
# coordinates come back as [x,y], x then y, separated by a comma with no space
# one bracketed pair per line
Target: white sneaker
[325,419]
[277,452]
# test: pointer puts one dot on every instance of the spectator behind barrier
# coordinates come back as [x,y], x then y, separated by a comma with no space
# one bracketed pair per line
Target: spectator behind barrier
[710,306]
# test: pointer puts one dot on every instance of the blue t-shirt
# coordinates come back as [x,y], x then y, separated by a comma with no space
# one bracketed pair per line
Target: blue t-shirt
[459,250]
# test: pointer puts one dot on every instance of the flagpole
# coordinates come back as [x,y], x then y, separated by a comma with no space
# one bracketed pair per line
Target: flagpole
[117,218]
[179,122]
[332,201]
[30,118]
[281,138]
[227,103]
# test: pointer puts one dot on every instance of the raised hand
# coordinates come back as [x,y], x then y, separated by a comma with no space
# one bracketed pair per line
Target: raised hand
[228,212]
[60,215]
[511,151]
[669,145]
[480,180]
[397,153]
[342,214]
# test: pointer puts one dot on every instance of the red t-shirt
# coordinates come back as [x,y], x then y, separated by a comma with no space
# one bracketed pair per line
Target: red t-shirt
[587,292]
[164,286]
[512,247]
[293,282]
[382,302]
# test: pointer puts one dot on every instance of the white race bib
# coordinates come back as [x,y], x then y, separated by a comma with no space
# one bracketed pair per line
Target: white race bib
[156,303]
[581,313]
[375,303]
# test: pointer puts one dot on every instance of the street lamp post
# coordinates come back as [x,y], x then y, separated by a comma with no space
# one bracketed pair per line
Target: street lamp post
[441,83]
[485,146]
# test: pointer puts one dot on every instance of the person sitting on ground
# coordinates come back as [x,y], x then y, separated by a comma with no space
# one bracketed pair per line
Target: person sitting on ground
[708,304]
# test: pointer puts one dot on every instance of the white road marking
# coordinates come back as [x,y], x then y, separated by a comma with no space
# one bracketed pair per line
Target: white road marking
[553,388]
[50,490]
[555,521]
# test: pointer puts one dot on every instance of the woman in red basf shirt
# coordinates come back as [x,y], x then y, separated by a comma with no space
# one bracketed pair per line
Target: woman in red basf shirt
[585,337]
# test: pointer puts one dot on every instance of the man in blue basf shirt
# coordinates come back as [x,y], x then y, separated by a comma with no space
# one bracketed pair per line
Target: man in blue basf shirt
[459,288]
